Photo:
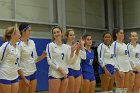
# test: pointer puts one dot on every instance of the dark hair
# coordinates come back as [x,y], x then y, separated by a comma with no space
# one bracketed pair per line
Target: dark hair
[8,32]
[107,32]
[55,28]
[85,36]
[23,27]
[115,32]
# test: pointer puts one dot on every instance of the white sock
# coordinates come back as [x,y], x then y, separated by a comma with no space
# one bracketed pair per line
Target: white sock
[110,91]
[124,90]
[119,90]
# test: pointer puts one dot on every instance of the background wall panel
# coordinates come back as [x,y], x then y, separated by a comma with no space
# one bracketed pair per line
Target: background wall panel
[6,9]
[73,12]
[131,12]
[95,16]
[32,10]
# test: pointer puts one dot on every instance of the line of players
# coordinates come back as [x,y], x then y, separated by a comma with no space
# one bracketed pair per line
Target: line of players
[70,63]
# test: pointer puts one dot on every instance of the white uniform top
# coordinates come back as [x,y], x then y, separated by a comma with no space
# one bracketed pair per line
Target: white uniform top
[105,55]
[76,60]
[58,56]
[134,54]
[9,58]
[121,56]
[28,57]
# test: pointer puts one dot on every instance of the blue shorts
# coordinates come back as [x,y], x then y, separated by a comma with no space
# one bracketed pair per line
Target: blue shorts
[109,67]
[88,76]
[8,82]
[50,77]
[31,77]
[74,73]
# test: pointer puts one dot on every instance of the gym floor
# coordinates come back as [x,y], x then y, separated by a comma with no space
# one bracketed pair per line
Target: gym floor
[97,89]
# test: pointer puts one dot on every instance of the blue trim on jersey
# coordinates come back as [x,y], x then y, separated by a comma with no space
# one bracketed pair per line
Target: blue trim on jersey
[128,50]
[53,62]
[115,49]
[19,42]
[4,51]
[101,50]
[49,51]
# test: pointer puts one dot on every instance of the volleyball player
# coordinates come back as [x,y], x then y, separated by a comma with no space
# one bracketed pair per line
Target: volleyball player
[122,61]
[89,82]
[58,57]
[28,58]
[9,58]
[74,66]
[106,68]
[134,55]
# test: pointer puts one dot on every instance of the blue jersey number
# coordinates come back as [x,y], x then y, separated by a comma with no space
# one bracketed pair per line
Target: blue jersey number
[137,55]
[17,61]
[126,52]
[62,55]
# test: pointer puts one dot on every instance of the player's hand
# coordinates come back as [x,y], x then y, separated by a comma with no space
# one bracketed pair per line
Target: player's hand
[131,73]
[107,73]
[44,54]
[62,72]
[26,82]
[82,42]
[73,48]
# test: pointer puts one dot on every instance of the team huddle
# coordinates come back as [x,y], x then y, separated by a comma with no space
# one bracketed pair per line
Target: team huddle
[70,63]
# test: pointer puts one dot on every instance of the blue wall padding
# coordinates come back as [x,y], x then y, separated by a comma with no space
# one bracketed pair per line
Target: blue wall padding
[42,67]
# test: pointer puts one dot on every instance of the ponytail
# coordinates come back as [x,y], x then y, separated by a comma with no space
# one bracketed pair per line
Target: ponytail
[4,38]
[8,32]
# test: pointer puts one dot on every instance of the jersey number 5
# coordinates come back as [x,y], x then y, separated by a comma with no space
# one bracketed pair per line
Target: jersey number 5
[62,55]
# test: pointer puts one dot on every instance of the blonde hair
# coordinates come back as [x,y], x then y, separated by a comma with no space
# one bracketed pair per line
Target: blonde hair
[8,33]
[132,33]
[67,32]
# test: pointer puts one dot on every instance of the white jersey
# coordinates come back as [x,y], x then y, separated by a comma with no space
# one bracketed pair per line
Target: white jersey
[9,58]
[105,55]
[58,56]
[121,56]
[28,57]
[76,60]
[134,54]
